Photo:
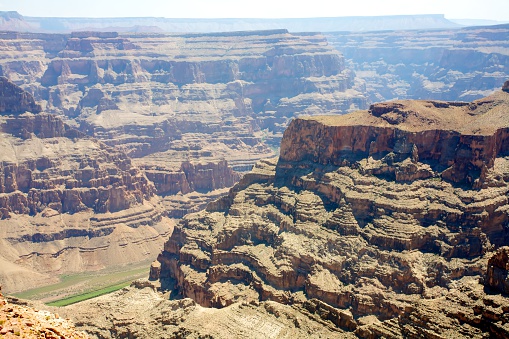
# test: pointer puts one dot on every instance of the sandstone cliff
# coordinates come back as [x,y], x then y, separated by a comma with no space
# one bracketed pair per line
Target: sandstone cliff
[381,221]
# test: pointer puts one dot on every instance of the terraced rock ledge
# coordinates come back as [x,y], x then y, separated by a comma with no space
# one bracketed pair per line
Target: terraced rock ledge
[382,222]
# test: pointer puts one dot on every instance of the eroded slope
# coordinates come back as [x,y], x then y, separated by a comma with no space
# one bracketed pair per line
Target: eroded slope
[386,220]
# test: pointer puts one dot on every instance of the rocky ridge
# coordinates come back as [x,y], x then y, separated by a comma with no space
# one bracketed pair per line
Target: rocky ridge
[68,203]
[383,221]
[13,21]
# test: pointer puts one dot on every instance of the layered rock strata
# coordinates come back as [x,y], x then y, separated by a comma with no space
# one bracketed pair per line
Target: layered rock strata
[459,64]
[190,188]
[140,312]
[166,100]
[382,219]
[68,203]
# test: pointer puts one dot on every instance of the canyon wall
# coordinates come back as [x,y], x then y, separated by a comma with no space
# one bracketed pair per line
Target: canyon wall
[459,64]
[68,203]
[13,21]
[375,221]
[172,102]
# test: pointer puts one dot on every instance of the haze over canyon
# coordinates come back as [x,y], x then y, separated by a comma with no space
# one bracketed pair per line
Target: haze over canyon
[274,182]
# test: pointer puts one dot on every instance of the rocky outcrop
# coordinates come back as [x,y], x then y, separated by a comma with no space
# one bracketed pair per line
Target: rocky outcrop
[505,88]
[497,276]
[18,320]
[15,100]
[379,215]
[457,140]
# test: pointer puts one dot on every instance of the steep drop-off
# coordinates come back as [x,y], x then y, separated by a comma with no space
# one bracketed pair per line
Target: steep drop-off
[383,222]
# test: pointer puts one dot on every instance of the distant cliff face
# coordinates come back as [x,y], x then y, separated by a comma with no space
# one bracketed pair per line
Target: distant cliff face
[68,203]
[385,220]
[170,100]
[192,25]
[461,64]
[15,100]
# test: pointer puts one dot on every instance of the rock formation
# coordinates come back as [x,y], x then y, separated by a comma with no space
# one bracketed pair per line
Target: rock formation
[140,312]
[68,203]
[382,221]
[497,276]
[170,100]
[15,100]
[459,64]
[17,320]
[192,25]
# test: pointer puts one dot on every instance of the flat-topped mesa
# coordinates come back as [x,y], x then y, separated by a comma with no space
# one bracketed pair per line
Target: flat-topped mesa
[13,99]
[459,141]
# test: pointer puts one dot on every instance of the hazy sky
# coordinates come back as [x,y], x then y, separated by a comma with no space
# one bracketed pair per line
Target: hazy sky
[453,9]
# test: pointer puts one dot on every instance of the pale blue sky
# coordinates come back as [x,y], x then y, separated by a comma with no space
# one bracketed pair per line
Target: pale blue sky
[453,9]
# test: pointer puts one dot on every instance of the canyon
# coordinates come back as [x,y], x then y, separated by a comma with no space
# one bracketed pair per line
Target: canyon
[188,109]
[68,203]
[387,222]
[446,64]
[109,136]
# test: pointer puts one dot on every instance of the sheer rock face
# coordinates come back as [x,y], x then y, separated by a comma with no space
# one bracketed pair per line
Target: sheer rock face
[15,100]
[193,177]
[458,140]
[62,169]
[375,224]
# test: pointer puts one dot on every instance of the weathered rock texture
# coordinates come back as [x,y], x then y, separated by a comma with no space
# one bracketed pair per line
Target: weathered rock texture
[170,100]
[17,320]
[140,312]
[15,100]
[68,203]
[497,276]
[460,64]
[384,220]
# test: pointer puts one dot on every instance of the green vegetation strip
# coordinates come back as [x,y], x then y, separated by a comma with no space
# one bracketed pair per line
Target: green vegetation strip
[89,295]
[92,281]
